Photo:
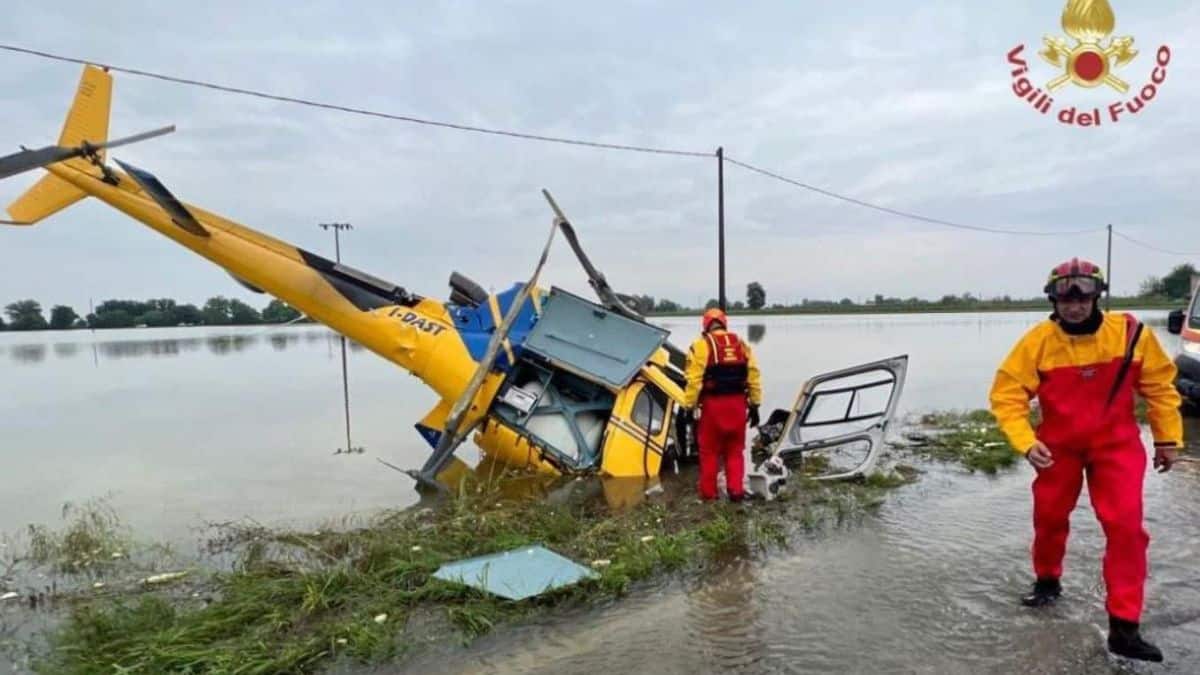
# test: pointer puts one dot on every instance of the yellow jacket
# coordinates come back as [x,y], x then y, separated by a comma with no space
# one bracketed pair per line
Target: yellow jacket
[1072,377]
[698,359]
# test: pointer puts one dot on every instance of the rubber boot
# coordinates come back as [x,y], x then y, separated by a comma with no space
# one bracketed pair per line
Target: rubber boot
[1125,640]
[1045,591]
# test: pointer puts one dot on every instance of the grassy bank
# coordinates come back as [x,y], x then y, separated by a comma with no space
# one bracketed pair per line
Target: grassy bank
[297,601]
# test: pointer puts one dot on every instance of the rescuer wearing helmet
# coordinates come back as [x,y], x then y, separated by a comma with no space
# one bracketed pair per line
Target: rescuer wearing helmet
[723,380]
[1084,366]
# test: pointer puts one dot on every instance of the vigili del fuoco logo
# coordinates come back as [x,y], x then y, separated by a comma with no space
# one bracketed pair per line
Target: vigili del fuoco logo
[1089,57]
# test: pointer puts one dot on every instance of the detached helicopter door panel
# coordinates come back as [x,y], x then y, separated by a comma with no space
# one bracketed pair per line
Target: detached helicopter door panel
[837,425]
[588,340]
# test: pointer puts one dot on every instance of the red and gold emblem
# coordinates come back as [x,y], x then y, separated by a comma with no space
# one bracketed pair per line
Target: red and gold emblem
[1089,62]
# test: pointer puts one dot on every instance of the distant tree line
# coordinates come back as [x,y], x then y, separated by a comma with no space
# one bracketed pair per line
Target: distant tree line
[1177,285]
[218,311]
[221,311]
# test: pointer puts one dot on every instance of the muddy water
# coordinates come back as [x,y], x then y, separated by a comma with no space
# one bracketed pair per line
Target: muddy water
[184,426]
[929,585]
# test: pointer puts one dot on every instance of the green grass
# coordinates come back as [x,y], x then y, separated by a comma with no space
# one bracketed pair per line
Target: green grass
[973,439]
[970,438]
[91,541]
[296,601]
[893,479]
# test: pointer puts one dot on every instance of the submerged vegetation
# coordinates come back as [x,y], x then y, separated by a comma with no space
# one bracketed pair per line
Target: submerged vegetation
[92,540]
[971,438]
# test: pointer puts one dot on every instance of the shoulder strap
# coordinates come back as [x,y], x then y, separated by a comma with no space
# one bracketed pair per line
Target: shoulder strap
[712,348]
[1133,333]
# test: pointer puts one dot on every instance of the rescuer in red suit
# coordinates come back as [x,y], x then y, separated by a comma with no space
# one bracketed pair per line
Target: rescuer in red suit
[1084,366]
[723,382]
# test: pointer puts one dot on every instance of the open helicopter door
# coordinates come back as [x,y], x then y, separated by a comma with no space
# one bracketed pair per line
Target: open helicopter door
[834,430]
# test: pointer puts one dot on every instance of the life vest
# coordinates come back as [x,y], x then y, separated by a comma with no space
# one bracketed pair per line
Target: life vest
[726,371]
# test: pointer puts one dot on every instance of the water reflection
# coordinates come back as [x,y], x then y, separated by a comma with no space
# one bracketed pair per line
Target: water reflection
[152,348]
[170,347]
[723,617]
[29,353]
[230,343]
[65,350]
[620,494]
[280,342]
[756,332]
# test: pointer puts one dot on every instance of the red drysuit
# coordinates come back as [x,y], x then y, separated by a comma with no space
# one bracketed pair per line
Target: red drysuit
[723,380]
[1090,429]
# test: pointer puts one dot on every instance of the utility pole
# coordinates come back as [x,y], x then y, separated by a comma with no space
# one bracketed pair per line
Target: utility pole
[721,227]
[1108,271]
[337,247]
[336,227]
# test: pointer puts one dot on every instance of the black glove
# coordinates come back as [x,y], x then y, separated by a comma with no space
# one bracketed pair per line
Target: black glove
[754,416]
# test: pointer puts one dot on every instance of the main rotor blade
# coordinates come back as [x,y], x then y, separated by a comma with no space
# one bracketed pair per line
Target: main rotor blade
[453,435]
[608,297]
[596,278]
[163,197]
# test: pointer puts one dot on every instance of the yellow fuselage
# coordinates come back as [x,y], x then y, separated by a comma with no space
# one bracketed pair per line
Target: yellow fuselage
[419,337]
[416,333]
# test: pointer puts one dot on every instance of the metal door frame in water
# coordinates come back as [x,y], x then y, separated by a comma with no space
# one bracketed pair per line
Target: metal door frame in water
[874,434]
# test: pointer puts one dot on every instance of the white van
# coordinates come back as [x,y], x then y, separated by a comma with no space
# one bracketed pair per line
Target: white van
[1186,324]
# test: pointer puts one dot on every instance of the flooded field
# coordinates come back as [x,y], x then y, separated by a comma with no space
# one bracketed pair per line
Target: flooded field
[182,427]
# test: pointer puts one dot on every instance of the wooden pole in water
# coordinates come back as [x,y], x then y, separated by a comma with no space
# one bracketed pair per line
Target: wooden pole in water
[337,247]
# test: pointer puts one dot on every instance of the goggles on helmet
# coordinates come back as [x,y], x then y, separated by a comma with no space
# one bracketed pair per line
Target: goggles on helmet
[1078,287]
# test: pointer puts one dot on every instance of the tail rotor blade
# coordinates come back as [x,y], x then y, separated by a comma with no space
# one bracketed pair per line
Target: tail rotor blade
[136,138]
[28,160]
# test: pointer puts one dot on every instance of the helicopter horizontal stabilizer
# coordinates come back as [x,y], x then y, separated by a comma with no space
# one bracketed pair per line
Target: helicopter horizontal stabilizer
[433,424]
[82,145]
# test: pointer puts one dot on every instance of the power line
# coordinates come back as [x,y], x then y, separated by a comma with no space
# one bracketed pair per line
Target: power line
[897,212]
[576,142]
[356,111]
[1152,247]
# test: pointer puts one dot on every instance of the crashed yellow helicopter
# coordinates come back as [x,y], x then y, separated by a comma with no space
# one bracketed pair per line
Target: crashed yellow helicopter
[546,379]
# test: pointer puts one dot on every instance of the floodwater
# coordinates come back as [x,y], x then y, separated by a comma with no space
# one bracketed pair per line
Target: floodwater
[182,427]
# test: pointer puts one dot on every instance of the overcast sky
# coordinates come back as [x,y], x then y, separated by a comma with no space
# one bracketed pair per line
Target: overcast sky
[908,104]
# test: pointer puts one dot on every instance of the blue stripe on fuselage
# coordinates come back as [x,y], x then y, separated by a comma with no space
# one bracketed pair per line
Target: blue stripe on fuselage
[475,325]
